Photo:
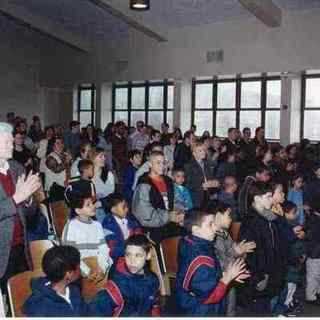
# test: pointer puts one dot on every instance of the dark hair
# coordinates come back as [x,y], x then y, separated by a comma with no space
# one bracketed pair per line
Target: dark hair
[258,189]
[51,144]
[287,206]
[246,129]
[113,200]
[295,177]
[261,168]
[257,130]
[149,148]
[187,135]
[217,207]
[73,123]
[139,240]
[57,261]
[177,169]
[133,153]
[231,129]
[84,164]
[194,218]
[178,130]
[154,132]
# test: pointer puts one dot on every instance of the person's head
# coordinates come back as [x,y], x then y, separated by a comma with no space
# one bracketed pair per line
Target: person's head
[278,196]
[188,138]
[85,149]
[292,151]
[290,211]
[178,176]
[135,157]
[177,132]
[10,117]
[6,141]
[98,157]
[205,134]
[164,128]
[246,132]
[268,156]
[19,138]
[297,181]
[157,162]
[74,126]
[80,197]
[260,196]
[58,144]
[61,263]
[120,128]
[117,205]
[173,139]
[193,128]
[154,146]
[259,134]
[230,184]
[232,134]
[216,143]
[86,169]
[201,224]
[137,253]
[140,126]
[316,170]
[222,214]
[206,142]
[199,151]
[155,136]
[263,174]
[49,132]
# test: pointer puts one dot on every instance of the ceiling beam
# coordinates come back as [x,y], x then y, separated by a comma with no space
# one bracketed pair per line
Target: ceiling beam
[44,26]
[118,10]
[265,10]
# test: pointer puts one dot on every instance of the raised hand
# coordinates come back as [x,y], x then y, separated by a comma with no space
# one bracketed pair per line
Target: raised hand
[26,186]
[245,247]
[236,270]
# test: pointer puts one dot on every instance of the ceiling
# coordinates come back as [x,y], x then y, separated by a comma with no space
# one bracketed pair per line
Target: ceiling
[83,18]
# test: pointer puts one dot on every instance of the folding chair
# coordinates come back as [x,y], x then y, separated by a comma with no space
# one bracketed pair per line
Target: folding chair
[38,249]
[60,213]
[19,289]
[235,231]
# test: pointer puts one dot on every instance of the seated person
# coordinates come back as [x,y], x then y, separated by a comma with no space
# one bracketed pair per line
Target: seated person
[56,295]
[84,233]
[86,169]
[182,197]
[132,289]
[118,225]
[201,285]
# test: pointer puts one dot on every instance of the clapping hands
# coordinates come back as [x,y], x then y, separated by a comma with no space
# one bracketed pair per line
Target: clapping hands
[236,271]
[245,247]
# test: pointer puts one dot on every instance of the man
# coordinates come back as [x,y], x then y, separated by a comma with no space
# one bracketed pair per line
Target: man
[72,138]
[153,201]
[165,136]
[15,190]
[139,139]
[183,153]
[231,141]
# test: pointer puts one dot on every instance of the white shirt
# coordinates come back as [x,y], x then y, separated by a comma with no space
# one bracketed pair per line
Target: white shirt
[104,188]
[5,168]
[123,224]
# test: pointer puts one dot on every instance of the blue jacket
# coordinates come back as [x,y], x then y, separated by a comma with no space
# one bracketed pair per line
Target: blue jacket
[128,294]
[44,301]
[114,236]
[128,179]
[199,291]
[182,198]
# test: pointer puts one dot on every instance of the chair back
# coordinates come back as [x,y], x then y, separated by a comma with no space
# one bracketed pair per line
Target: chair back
[37,249]
[170,255]
[235,231]
[60,213]
[19,289]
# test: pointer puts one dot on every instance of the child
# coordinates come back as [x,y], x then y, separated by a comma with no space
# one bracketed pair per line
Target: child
[55,295]
[132,289]
[118,225]
[82,232]
[267,263]
[295,195]
[201,285]
[228,196]
[182,197]
[86,169]
[227,250]
[135,158]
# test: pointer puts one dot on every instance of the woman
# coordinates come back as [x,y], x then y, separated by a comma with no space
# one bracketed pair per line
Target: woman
[84,152]
[103,180]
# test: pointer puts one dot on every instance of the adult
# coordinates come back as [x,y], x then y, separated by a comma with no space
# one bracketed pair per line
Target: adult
[168,151]
[259,138]
[139,139]
[15,189]
[165,135]
[35,131]
[183,153]
[153,201]
[43,147]
[84,154]
[231,142]
[71,137]
[21,153]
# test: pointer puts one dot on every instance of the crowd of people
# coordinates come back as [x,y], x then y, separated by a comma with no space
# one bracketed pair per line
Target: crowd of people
[129,188]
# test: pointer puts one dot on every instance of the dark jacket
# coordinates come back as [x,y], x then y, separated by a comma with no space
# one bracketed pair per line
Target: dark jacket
[195,177]
[128,179]
[199,290]
[182,155]
[312,194]
[312,228]
[270,255]
[243,205]
[44,301]
[128,294]
[114,236]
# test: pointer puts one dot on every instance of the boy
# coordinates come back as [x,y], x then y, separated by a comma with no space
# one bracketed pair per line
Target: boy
[226,249]
[182,197]
[56,295]
[86,169]
[199,176]
[135,158]
[132,290]
[201,285]
[268,262]
[118,225]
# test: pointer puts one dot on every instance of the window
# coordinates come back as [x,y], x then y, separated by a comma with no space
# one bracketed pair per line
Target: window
[151,102]
[86,104]
[310,104]
[219,104]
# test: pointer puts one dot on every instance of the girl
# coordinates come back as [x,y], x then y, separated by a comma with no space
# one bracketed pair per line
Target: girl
[83,155]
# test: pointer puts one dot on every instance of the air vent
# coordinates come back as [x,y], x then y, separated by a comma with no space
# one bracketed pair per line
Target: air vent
[215,56]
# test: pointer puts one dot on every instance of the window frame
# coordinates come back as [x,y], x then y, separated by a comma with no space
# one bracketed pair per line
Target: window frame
[147,110]
[92,110]
[238,79]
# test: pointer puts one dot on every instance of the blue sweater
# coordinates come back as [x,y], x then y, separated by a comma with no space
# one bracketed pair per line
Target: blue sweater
[182,198]
[297,198]
[44,301]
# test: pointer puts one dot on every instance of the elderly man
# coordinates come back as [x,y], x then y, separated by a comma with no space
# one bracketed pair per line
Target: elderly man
[15,190]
